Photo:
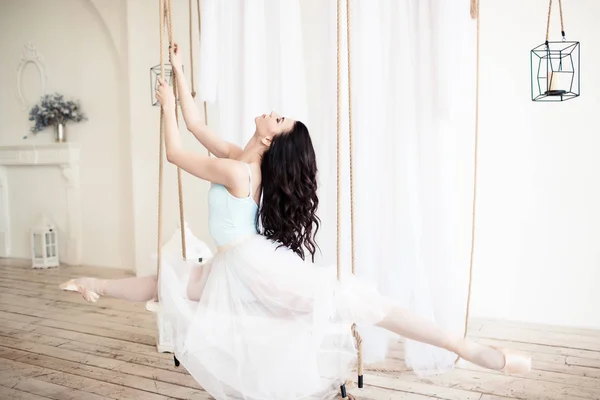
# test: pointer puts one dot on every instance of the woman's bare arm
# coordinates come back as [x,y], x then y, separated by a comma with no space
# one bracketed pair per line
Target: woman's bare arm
[228,172]
[191,115]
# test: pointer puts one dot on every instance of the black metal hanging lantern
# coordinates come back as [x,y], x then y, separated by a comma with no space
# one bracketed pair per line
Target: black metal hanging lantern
[154,75]
[555,67]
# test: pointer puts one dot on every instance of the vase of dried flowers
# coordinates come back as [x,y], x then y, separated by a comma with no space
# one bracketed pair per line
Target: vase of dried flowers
[54,110]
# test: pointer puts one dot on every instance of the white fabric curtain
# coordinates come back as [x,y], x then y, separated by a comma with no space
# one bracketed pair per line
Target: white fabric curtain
[413,70]
[414,123]
[251,62]
[413,95]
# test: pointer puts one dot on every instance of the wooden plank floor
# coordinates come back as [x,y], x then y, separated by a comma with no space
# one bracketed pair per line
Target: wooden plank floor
[54,345]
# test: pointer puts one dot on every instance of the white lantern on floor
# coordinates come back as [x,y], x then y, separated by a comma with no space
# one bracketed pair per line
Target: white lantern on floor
[44,244]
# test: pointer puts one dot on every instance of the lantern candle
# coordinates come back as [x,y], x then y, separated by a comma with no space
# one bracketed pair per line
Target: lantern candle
[560,82]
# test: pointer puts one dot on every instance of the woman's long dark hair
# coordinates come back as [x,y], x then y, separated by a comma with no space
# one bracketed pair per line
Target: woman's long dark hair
[289,191]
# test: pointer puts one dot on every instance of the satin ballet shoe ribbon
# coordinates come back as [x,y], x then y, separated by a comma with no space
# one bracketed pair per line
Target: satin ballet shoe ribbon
[87,294]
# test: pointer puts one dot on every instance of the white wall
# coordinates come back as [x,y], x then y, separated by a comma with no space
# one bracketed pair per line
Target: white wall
[538,231]
[82,62]
[99,52]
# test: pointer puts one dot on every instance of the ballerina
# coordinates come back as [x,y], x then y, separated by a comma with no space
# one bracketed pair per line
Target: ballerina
[261,320]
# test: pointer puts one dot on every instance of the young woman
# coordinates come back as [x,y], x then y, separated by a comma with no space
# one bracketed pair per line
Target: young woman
[260,321]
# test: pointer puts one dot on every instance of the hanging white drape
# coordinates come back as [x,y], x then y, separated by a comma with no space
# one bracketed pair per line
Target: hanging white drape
[414,123]
[251,62]
[413,71]
[413,92]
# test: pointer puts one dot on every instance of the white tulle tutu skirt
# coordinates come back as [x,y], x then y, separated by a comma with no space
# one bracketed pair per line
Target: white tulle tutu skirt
[265,325]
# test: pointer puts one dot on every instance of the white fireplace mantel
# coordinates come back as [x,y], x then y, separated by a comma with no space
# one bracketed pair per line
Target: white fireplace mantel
[66,157]
[47,154]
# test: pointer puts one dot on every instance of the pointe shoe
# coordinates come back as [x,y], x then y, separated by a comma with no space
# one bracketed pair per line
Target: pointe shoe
[73,286]
[515,363]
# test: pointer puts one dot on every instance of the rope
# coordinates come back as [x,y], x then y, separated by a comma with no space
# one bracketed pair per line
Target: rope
[179,181]
[474,8]
[351,134]
[161,12]
[548,24]
[562,23]
[359,354]
[191,51]
[199,37]
[475,162]
[338,154]
[385,369]
[357,337]
[339,139]
[199,19]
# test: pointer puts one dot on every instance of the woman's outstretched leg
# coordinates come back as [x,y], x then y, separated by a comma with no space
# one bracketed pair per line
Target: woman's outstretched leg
[133,289]
[410,326]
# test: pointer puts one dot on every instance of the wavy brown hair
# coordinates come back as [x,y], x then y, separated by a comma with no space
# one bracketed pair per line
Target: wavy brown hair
[289,198]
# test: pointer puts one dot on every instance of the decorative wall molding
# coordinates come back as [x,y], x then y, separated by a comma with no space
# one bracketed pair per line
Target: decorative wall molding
[65,156]
[31,55]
